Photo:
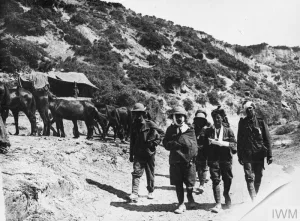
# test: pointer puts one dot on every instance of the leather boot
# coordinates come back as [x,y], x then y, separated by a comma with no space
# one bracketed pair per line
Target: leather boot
[190,198]
[251,190]
[227,186]
[217,196]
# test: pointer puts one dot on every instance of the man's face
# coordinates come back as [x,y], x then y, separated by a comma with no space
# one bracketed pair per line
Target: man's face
[200,122]
[179,118]
[250,112]
[217,120]
[138,116]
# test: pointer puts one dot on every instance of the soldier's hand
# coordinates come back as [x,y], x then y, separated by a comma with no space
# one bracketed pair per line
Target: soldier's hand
[269,160]
[241,162]
[131,159]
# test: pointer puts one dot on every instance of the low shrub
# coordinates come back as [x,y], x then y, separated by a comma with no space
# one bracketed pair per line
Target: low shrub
[185,47]
[141,24]
[72,35]
[24,24]
[296,49]
[16,54]
[198,56]
[213,97]
[188,104]
[199,85]
[186,32]
[277,78]
[282,47]
[173,102]
[270,113]
[69,8]
[79,18]
[153,59]
[9,7]
[232,62]
[154,41]
[201,99]
[247,52]
[257,48]
[210,55]
[114,36]
[117,15]
[285,129]
[144,78]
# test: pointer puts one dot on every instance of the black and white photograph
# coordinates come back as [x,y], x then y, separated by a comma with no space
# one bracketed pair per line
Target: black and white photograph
[149,110]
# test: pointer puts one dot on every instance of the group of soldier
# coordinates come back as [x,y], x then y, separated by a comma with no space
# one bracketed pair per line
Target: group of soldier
[198,148]
[194,149]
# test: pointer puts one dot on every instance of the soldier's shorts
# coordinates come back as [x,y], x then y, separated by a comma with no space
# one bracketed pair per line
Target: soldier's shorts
[254,167]
[183,173]
[218,169]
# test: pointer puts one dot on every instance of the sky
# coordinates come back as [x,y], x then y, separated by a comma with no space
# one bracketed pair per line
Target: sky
[243,22]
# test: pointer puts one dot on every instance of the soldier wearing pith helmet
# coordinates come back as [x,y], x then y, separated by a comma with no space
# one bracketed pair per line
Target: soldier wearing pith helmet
[145,136]
[181,141]
[201,125]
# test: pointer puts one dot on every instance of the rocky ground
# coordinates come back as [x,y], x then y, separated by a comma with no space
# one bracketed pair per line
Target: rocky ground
[50,178]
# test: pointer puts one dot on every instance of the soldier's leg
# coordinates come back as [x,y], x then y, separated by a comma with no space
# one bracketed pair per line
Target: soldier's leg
[202,172]
[215,174]
[150,174]
[226,171]
[258,168]
[2,200]
[249,176]
[189,181]
[180,196]
[138,170]
[176,177]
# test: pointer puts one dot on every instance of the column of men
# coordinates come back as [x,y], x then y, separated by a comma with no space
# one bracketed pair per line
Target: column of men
[197,148]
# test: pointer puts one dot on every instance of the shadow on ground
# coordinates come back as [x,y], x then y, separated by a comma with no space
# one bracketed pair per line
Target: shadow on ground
[119,193]
[165,187]
[167,176]
[159,207]
[145,208]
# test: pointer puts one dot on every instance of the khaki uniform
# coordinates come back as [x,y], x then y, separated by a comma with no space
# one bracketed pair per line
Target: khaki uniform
[253,145]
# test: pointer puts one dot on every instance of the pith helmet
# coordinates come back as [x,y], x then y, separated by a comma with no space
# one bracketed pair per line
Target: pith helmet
[200,113]
[178,110]
[138,107]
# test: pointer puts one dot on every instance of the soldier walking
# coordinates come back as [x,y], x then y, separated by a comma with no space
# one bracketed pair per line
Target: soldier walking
[201,124]
[181,141]
[221,144]
[145,136]
[253,146]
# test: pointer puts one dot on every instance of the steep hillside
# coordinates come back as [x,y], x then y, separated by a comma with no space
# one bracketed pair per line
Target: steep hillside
[132,57]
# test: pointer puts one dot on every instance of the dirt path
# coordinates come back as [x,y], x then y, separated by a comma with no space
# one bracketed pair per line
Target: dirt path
[49,178]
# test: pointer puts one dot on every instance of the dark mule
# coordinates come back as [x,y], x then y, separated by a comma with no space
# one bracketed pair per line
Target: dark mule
[4,95]
[41,97]
[21,100]
[75,110]
[124,115]
[4,102]
[120,120]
